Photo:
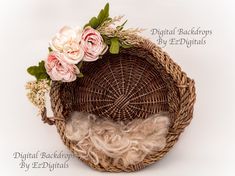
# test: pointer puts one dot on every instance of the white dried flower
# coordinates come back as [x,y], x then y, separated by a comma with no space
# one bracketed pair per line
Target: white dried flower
[37,91]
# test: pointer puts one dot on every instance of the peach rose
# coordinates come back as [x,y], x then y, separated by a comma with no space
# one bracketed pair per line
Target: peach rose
[58,69]
[67,41]
[92,44]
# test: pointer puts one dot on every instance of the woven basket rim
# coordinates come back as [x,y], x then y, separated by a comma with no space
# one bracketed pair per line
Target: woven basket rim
[187,96]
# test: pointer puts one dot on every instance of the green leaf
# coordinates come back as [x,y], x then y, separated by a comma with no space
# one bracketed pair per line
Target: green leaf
[106,39]
[104,14]
[108,19]
[121,26]
[106,10]
[38,71]
[42,76]
[125,46]
[41,64]
[79,65]
[101,16]
[94,22]
[80,75]
[114,46]
[32,70]
[49,49]
[86,25]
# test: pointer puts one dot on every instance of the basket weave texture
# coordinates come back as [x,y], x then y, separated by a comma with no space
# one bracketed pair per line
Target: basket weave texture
[139,81]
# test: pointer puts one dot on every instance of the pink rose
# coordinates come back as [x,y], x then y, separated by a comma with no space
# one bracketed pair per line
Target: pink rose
[68,41]
[58,69]
[92,44]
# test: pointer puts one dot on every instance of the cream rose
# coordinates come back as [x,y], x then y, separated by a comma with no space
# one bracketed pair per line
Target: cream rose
[67,41]
[92,44]
[58,69]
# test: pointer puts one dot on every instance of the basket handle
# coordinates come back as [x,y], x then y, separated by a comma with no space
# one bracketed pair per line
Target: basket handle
[49,120]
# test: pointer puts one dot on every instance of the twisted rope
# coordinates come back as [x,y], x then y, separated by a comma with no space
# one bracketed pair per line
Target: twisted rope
[181,98]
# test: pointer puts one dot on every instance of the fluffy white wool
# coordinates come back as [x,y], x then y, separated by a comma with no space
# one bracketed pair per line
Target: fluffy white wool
[104,141]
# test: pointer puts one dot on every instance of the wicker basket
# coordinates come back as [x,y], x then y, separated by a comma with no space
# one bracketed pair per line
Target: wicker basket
[139,81]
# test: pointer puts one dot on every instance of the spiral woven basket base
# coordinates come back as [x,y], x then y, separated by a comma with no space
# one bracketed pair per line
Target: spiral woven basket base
[136,83]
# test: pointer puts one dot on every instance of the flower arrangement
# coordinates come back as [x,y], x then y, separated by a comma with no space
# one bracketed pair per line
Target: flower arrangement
[70,47]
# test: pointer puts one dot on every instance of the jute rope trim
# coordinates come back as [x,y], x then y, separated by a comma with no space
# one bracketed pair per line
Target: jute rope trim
[184,107]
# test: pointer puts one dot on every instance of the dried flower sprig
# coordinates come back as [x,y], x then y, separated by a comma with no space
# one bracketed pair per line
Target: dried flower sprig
[115,35]
[109,22]
[37,91]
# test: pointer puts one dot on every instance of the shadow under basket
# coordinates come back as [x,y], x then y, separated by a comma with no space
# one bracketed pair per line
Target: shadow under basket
[136,83]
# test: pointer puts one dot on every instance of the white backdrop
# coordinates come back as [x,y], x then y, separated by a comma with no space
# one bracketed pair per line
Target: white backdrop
[206,147]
